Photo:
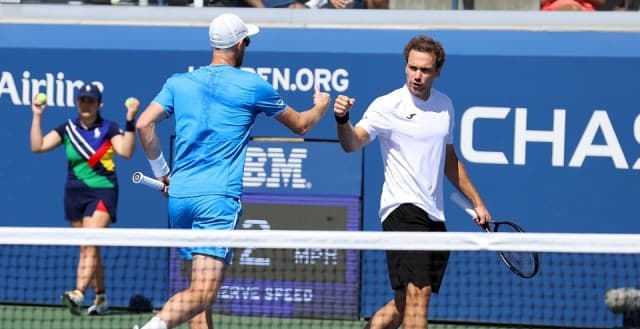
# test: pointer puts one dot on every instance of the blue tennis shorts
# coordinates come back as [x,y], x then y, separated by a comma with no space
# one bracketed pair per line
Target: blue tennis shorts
[80,202]
[207,212]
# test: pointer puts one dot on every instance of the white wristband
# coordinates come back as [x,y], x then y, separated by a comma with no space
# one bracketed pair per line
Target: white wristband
[159,166]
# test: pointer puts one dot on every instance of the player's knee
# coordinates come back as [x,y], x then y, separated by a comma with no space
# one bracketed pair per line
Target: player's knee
[416,293]
[204,297]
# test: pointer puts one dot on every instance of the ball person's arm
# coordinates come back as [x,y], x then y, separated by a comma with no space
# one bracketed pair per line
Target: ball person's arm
[125,144]
[41,143]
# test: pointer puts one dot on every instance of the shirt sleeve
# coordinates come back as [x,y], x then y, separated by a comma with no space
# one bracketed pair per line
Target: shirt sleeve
[61,129]
[268,100]
[373,120]
[113,130]
[452,121]
[165,97]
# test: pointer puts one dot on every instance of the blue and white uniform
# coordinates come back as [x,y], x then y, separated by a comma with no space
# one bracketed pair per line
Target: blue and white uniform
[91,172]
[215,108]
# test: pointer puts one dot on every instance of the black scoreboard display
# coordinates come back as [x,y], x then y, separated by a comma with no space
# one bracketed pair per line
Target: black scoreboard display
[300,264]
[300,282]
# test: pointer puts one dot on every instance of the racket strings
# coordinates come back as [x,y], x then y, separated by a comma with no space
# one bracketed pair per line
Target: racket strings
[523,262]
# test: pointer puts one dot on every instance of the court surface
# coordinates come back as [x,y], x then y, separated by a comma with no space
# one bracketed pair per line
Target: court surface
[54,317]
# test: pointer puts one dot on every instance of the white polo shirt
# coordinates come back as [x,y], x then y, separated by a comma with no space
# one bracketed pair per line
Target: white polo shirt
[413,138]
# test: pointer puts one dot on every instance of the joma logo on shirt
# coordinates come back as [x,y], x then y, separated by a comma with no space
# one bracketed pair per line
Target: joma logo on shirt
[270,167]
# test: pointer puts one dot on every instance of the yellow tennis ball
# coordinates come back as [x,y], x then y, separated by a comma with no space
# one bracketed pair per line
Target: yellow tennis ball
[129,102]
[41,98]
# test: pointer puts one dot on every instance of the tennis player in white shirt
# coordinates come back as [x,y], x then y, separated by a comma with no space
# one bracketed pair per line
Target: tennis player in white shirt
[414,125]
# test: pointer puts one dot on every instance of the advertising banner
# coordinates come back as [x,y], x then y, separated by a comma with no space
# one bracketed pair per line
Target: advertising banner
[546,124]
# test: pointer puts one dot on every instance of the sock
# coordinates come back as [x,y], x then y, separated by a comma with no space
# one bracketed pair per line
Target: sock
[100,296]
[155,323]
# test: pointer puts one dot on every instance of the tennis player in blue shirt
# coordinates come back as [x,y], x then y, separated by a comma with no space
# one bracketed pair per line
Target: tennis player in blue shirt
[215,108]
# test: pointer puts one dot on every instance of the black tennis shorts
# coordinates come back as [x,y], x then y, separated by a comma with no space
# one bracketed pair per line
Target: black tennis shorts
[420,267]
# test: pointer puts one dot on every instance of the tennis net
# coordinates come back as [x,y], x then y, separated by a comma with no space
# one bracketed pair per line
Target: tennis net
[323,279]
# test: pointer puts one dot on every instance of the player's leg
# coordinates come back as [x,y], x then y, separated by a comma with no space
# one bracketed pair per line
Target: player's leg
[423,271]
[416,307]
[213,214]
[387,317]
[391,315]
[202,320]
[208,263]
[417,272]
[207,275]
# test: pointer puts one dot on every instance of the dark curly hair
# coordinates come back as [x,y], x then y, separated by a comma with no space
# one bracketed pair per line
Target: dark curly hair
[425,44]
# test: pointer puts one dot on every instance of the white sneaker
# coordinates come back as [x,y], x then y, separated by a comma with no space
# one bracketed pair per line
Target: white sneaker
[100,305]
[73,300]
[154,323]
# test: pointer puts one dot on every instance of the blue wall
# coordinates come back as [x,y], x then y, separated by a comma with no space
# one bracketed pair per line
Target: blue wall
[527,81]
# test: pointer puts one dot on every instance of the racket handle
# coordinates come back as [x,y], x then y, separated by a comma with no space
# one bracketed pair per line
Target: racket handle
[140,178]
[463,203]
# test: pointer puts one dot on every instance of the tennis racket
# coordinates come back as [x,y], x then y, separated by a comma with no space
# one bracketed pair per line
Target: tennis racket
[140,178]
[523,264]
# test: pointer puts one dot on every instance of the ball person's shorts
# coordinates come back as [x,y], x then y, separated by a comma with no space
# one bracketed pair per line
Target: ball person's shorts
[420,267]
[80,202]
[206,212]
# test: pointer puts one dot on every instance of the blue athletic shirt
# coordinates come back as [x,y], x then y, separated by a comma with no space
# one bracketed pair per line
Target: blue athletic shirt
[215,108]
